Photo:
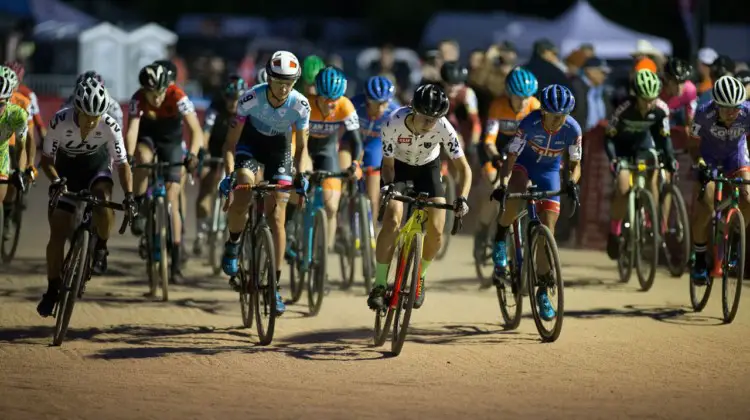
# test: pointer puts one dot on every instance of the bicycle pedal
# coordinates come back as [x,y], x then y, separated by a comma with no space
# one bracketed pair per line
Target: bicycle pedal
[234,285]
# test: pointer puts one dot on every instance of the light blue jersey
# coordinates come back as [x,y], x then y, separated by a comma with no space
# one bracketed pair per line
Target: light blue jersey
[270,121]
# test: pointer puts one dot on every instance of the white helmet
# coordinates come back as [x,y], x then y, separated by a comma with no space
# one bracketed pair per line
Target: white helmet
[262,75]
[729,92]
[283,65]
[91,98]
[6,87]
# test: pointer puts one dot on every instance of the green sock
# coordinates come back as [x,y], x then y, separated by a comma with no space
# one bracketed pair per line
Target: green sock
[425,265]
[381,275]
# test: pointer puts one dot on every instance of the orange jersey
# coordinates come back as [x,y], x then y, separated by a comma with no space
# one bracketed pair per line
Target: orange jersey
[503,120]
[25,103]
[35,111]
[325,131]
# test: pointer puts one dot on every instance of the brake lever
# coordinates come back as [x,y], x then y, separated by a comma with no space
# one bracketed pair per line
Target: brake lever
[457,224]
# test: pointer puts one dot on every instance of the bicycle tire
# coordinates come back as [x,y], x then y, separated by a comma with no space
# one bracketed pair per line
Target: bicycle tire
[384,317]
[699,300]
[406,299]
[345,236]
[319,262]
[541,231]
[72,279]
[162,220]
[9,254]
[264,286]
[152,266]
[483,257]
[625,262]
[368,253]
[511,313]
[247,306]
[729,306]
[449,185]
[296,276]
[676,265]
[648,240]
[2,224]
[216,236]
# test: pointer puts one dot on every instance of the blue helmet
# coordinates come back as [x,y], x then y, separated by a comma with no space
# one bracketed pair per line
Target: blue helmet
[379,89]
[557,99]
[521,82]
[330,83]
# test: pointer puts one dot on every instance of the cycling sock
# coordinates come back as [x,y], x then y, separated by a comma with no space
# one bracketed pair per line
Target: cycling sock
[700,255]
[500,233]
[176,249]
[381,274]
[234,237]
[615,227]
[425,266]
[278,277]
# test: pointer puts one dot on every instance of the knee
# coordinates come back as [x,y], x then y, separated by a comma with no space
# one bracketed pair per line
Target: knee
[279,215]
[391,221]
[434,231]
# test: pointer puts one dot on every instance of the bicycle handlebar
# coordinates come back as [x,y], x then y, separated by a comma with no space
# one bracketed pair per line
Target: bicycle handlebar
[420,201]
[154,165]
[532,195]
[86,197]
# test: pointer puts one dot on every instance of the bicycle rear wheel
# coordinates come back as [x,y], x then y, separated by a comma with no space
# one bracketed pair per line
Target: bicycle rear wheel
[346,239]
[555,287]
[509,294]
[733,265]
[483,263]
[384,317]
[75,267]
[318,263]
[676,238]
[365,240]
[216,235]
[449,185]
[699,294]
[647,222]
[10,245]
[246,288]
[263,284]
[407,296]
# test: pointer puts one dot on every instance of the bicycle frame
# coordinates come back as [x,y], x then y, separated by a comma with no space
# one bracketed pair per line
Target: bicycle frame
[719,222]
[358,188]
[312,207]
[404,241]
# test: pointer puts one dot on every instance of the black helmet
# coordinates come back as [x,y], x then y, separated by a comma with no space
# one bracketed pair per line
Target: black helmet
[153,77]
[430,100]
[722,66]
[678,69]
[171,69]
[453,73]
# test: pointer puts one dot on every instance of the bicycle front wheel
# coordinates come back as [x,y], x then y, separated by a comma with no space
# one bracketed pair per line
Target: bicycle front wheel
[365,240]
[733,265]
[676,238]
[509,294]
[216,235]
[552,284]
[647,239]
[384,317]
[74,269]
[263,278]
[407,295]
[10,245]
[318,263]
[162,222]
[246,287]
[296,252]
[346,242]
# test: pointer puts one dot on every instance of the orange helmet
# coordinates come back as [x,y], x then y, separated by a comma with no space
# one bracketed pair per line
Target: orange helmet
[646,64]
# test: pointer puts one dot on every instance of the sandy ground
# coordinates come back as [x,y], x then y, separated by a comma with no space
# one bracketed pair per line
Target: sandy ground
[622,353]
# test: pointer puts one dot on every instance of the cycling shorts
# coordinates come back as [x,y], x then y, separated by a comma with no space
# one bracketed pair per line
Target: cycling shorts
[166,151]
[545,180]
[82,173]
[426,178]
[272,153]
[373,156]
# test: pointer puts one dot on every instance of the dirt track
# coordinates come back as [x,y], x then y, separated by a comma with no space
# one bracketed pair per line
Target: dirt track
[621,354]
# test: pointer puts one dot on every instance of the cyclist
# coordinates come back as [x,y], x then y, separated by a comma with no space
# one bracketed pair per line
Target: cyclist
[24,90]
[311,66]
[374,107]
[258,137]
[332,116]
[220,113]
[719,132]
[464,112]
[157,111]
[411,137]
[114,109]
[505,113]
[534,155]
[13,121]
[82,142]
[679,92]
[635,127]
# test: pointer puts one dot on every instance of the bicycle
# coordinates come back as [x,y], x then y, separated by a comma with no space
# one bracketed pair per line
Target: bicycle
[257,265]
[536,234]
[10,239]
[76,270]
[356,233]
[158,233]
[675,224]
[643,242]
[407,256]
[727,246]
[217,229]
[307,252]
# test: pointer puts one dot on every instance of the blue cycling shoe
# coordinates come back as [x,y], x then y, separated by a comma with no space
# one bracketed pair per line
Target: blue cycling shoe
[500,258]
[546,311]
[280,307]
[230,261]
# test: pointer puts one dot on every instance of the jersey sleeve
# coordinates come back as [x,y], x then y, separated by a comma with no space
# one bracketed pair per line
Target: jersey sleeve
[21,127]
[388,137]
[52,139]
[116,144]
[303,122]
[209,120]
[350,117]
[575,149]
[493,125]
[135,108]
[184,104]
[614,119]
[449,138]
[115,111]
[470,101]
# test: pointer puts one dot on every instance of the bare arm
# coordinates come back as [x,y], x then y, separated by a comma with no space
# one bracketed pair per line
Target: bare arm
[464,174]
[48,167]
[196,133]
[131,137]
[233,136]
[125,175]
[300,153]
[388,171]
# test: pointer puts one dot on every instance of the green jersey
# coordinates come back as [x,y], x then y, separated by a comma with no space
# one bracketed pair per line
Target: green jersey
[13,121]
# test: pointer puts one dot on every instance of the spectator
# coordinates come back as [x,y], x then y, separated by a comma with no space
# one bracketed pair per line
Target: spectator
[722,66]
[181,68]
[431,66]
[507,55]
[744,77]
[706,57]
[577,58]
[645,49]
[546,65]
[588,89]
[449,51]
[740,66]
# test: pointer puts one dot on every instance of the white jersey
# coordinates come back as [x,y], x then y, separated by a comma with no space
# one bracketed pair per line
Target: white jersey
[403,145]
[64,136]
[114,109]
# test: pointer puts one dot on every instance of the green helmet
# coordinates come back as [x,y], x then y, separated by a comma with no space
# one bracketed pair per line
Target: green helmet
[8,74]
[310,68]
[647,84]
